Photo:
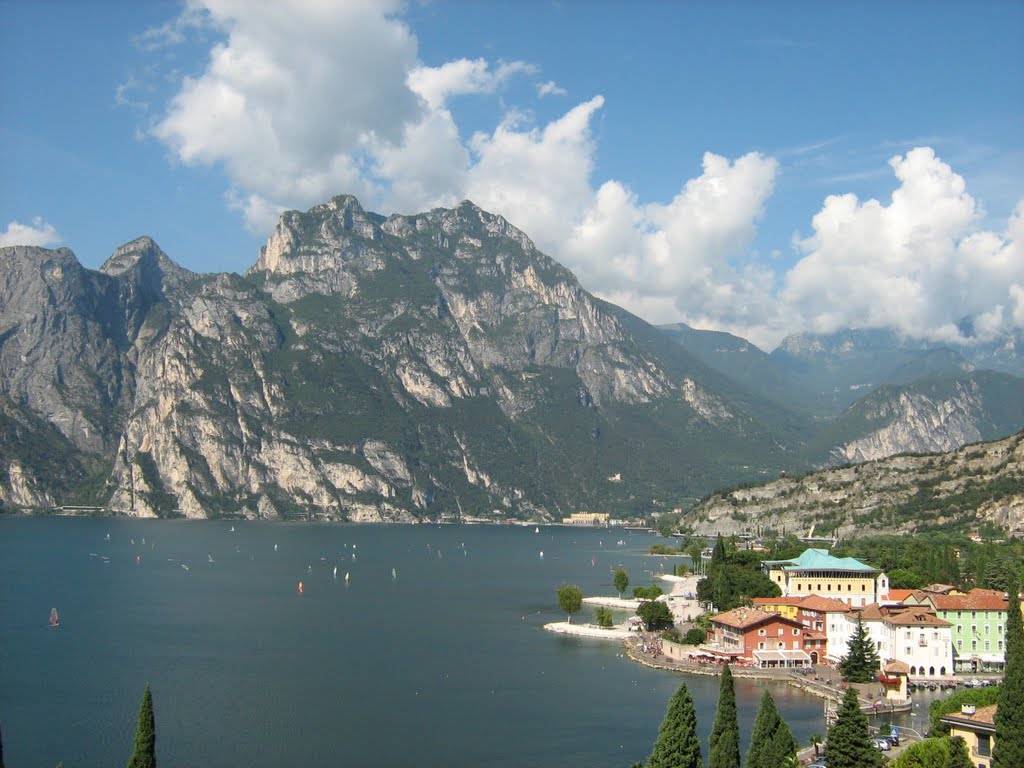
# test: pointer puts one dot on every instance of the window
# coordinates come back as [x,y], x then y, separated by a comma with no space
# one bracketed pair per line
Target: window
[984,745]
[974,629]
[959,629]
[863,587]
[760,646]
[781,645]
[907,650]
[762,632]
[974,645]
[974,614]
[781,631]
[959,645]
[1000,645]
[907,635]
[819,587]
[987,628]
[987,645]
[796,631]
[999,629]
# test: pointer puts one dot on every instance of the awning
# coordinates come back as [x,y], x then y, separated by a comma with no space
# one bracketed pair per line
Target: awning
[788,658]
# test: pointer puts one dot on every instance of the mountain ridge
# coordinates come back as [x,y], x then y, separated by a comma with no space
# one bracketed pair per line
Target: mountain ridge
[366,368]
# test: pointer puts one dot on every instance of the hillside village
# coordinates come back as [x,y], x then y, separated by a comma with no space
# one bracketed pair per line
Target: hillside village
[929,633]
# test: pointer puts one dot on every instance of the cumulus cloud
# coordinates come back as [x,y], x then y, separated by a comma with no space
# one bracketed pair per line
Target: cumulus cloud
[37,233]
[917,265]
[299,103]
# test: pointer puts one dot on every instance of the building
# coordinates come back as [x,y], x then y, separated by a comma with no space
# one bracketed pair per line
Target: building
[977,726]
[586,518]
[816,572]
[824,619]
[761,638]
[978,619]
[911,634]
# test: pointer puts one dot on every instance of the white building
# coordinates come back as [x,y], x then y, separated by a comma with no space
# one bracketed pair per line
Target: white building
[910,634]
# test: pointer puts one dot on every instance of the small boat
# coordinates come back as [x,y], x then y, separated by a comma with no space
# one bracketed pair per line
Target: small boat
[542,554]
[54,618]
[300,587]
[185,567]
[394,574]
[232,529]
[346,577]
[275,547]
[209,558]
[335,572]
[536,530]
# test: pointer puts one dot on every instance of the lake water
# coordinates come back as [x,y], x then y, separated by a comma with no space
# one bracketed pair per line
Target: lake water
[445,665]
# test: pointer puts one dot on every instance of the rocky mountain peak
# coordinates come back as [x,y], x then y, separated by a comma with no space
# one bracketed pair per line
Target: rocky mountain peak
[145,266]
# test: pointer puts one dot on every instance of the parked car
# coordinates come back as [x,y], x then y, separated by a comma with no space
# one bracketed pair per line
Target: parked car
[882,744]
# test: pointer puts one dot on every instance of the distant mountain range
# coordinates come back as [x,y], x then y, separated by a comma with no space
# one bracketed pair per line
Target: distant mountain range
[392,368]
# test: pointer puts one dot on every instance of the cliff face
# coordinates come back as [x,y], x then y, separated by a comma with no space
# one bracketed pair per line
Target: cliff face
[370,368]
[364,368]
[955,491]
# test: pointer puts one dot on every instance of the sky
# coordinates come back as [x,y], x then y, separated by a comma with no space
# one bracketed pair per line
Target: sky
[759,168]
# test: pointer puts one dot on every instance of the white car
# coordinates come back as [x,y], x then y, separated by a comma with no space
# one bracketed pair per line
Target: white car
[882,744]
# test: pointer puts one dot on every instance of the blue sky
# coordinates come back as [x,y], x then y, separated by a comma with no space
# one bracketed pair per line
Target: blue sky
[759,168]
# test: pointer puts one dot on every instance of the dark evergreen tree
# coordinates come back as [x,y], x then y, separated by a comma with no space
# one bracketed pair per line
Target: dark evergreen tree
[724,748]
[772,743]
[677,745]
[860,664]
[958,755]
[848,745]
[718,556]
[1,750]
[144,755]
[1008,743]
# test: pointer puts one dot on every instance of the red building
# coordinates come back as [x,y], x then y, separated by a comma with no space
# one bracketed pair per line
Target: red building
[759,638]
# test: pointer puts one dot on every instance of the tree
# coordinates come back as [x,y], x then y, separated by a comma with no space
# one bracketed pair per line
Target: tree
[694,636]
[718,555]
[652,592]
[959,757]
[144,755]
[603,616]
[570,599]
[903,578]
[930,753]
[655,615]
[772,742]
[1,751]
[620,580]
[848,745]
[1008,740]
[860,664]
[724,744]
[677,745]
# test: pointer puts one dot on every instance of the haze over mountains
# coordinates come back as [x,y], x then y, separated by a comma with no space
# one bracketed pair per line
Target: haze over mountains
[389,368]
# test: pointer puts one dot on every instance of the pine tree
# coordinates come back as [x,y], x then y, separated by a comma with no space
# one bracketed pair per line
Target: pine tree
[772,743]
[144,755]
[718,556]
[848,745]
[1,751]
[1008,742]
[958,755]
[677,745]
[860,664]
[724,749]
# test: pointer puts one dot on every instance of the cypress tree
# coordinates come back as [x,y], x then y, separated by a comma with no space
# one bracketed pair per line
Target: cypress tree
[1,750]
[1008,742]
[860,664]
[677,745]
[144,755]
[718,556]
[958,755]
[772,743]
[848,745]
[724,745]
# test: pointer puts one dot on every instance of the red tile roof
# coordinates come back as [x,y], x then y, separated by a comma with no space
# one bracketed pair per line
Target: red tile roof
[741,618]
[975,600]
[984,716]
[824,604]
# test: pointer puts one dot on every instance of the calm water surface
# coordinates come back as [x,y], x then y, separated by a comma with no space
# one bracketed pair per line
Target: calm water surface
[445,665]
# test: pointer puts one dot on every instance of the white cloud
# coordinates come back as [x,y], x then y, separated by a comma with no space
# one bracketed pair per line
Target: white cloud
[916,265]
[300,103]
[462,77]
[37,233]
[550,88]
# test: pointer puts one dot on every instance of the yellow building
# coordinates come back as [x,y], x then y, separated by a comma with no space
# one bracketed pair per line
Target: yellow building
[784,606]
[586,518]
[977,726]
[816,572]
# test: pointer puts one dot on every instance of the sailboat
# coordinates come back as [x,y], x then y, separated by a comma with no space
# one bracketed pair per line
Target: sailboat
[536,530]
[394,574]
[54,618]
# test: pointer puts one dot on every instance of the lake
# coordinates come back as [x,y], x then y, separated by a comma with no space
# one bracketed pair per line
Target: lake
[444,664]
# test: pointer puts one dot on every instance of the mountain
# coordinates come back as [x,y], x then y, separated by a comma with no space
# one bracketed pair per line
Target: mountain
[978,485]
[373,368]
[364,368]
